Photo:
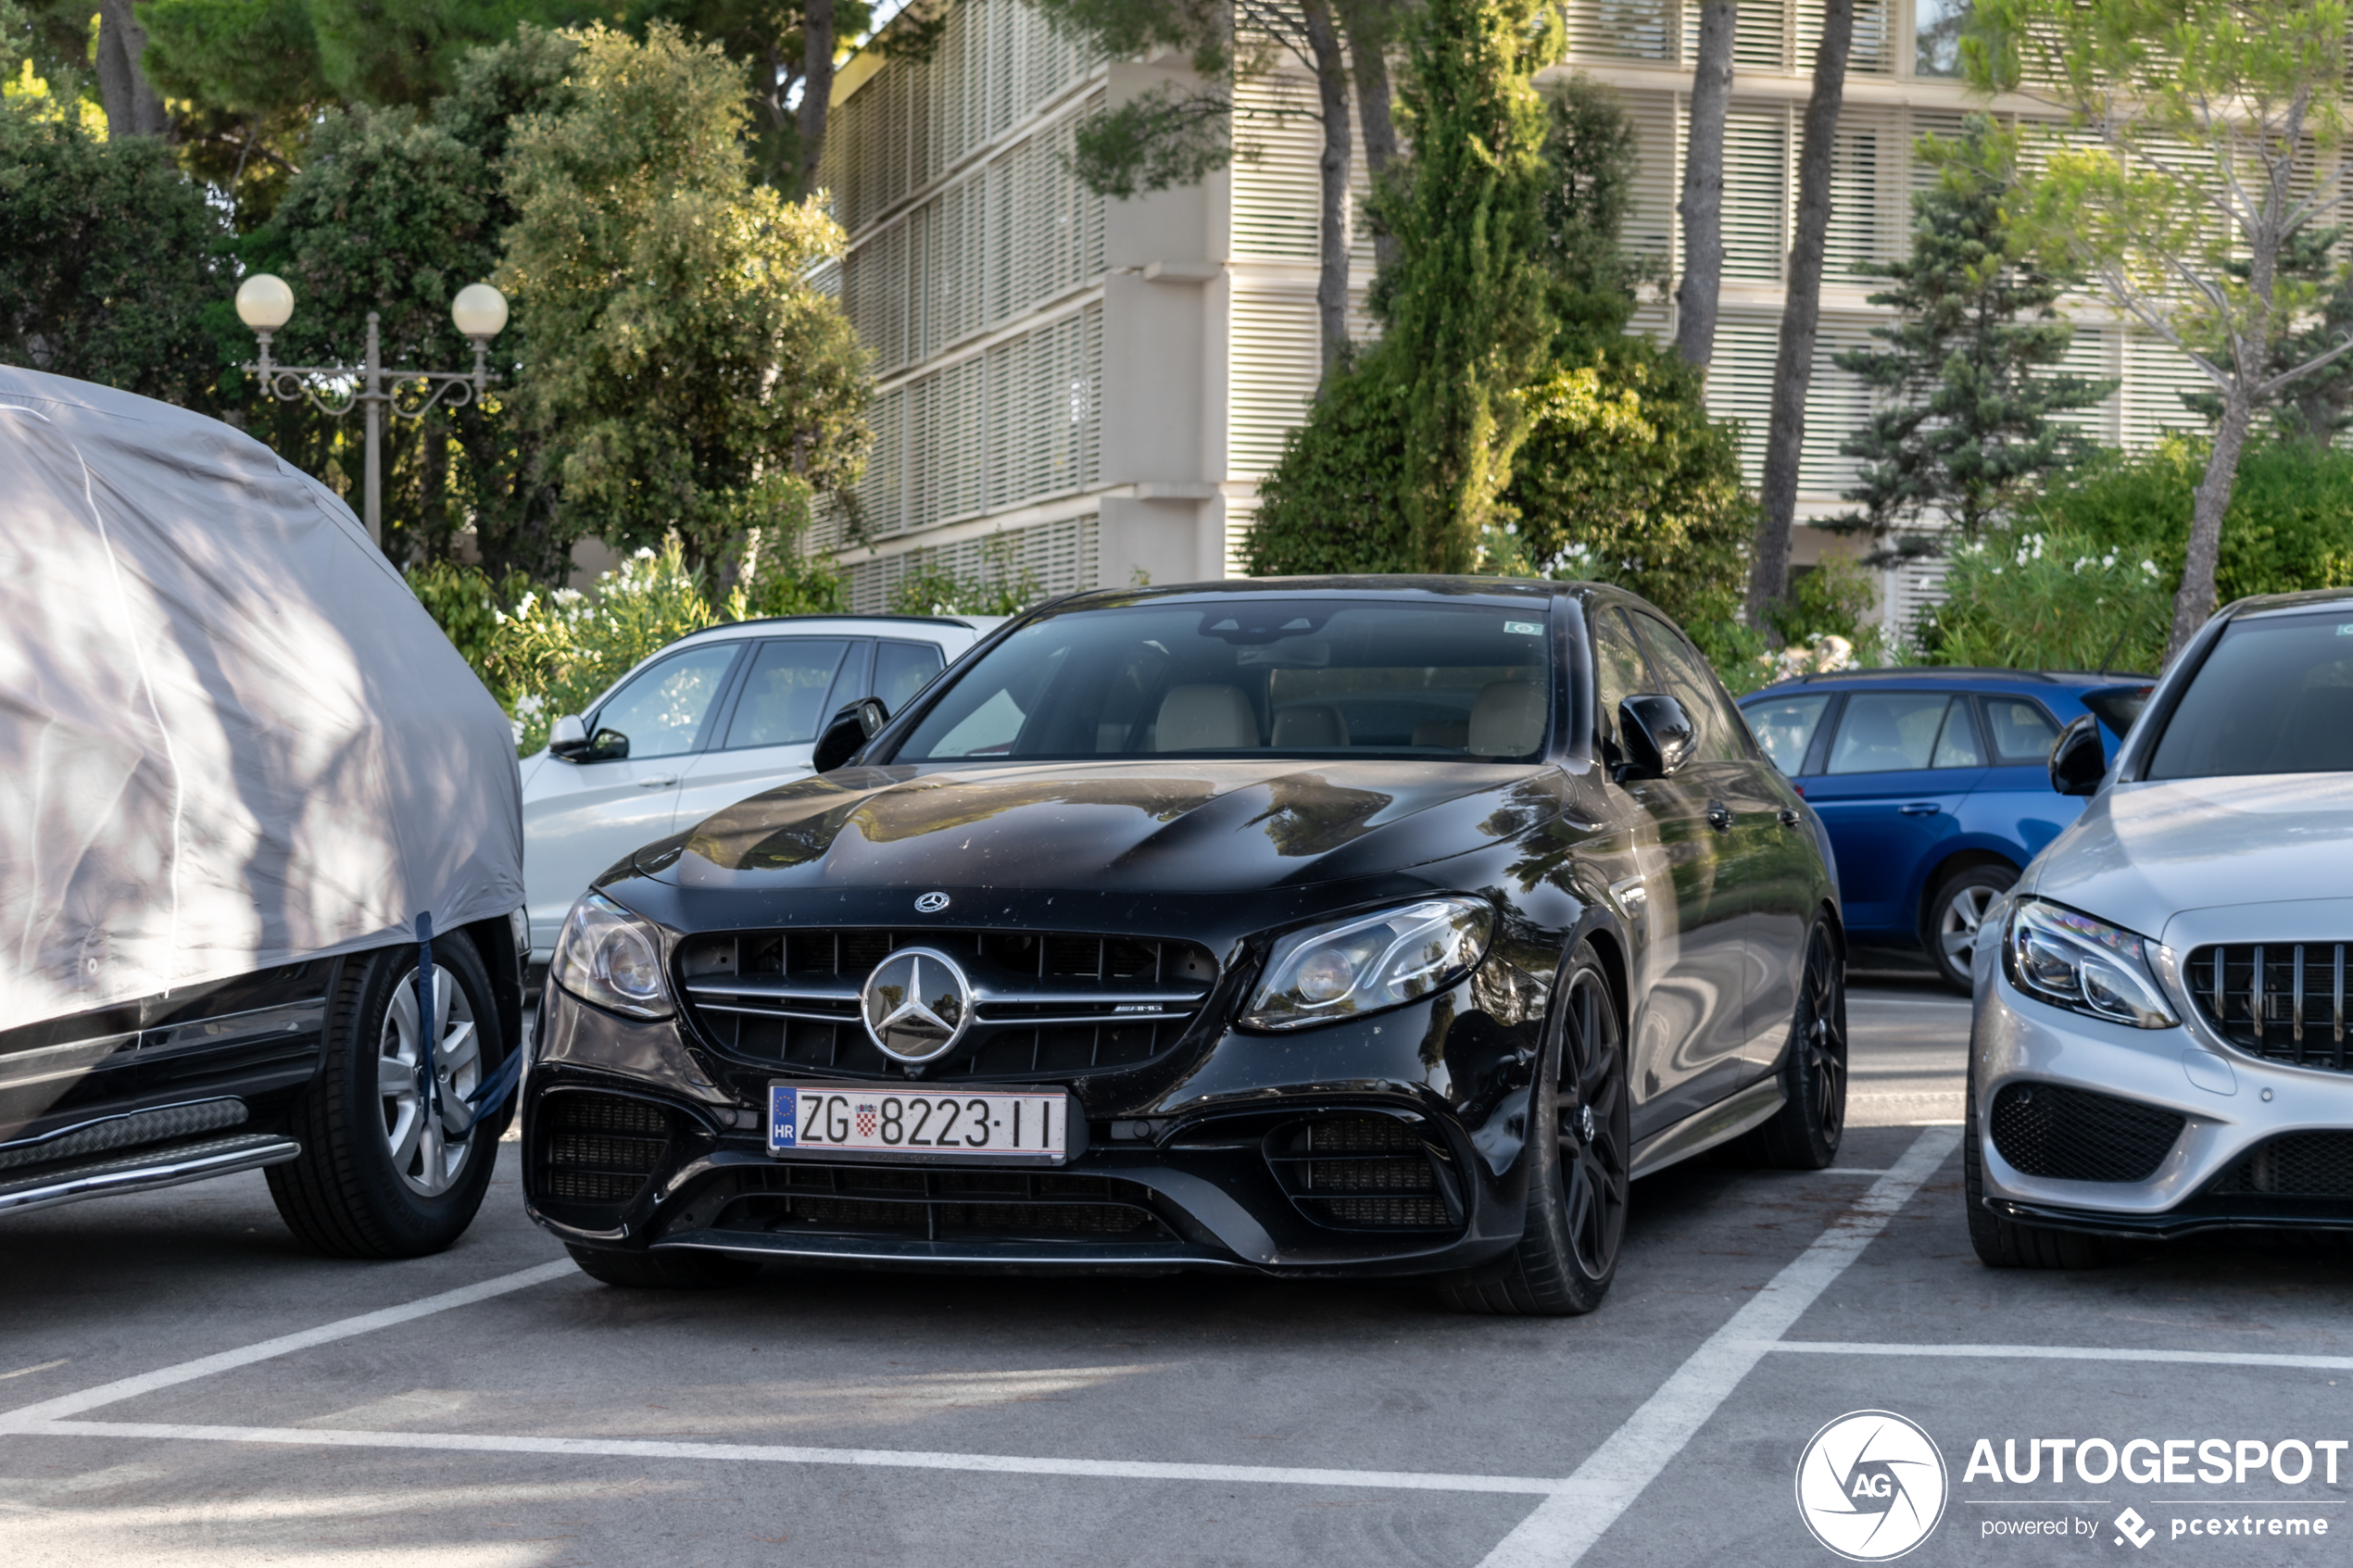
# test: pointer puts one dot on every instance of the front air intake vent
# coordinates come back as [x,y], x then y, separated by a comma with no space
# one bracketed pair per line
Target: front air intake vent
[2295,1165]
[2281,1000]
[2069,1134]
[600,1148]
[1047,1003]
[1364,1172]
[800,1196]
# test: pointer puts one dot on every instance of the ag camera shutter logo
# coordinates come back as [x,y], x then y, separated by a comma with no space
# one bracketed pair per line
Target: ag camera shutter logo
[1871,1485]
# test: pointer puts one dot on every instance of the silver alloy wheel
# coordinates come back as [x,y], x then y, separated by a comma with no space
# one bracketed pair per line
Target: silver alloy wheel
[420,1150]
[1956,927]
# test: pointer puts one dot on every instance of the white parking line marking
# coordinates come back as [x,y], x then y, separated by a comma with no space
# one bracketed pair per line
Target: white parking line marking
[25,1417]
[893,1459]
[1565,1525]
[2066,1353]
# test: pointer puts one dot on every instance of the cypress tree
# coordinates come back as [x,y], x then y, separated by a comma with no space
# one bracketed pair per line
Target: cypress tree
[1968,366]
[1467,319]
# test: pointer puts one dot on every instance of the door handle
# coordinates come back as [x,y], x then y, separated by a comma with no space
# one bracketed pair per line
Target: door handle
[669,779]
[1719,816]
[1788,817]
[1920,808]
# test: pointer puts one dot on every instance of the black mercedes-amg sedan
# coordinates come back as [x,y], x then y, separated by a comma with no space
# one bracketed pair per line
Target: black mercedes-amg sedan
[1370,926]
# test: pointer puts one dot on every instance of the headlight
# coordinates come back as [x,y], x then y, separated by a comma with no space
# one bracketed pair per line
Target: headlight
[2072,960]
[609,957]
[1365,963]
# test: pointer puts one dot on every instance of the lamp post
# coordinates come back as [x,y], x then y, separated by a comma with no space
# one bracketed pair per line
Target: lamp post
[265,304]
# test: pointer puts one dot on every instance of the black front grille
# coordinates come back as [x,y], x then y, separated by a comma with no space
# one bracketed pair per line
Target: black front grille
[2295,1165]
[947,1205]
[2284,1001]
[2076,1136]
[1050,1004]
[1363,1172]
[600,1147]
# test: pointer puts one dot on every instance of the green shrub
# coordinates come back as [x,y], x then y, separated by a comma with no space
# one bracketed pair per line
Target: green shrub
[1001,588]
[557,651]
[2289,526]
[2021,599]
[464,603]
[1623,478]
[1334,502]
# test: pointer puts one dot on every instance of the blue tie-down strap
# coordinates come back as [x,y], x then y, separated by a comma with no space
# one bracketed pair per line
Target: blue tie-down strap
[457,1116]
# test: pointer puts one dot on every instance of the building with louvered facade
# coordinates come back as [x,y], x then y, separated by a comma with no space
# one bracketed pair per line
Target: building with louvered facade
[1089,390]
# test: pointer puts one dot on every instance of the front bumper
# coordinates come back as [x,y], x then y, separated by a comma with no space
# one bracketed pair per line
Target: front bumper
[1199,1171]
[2236,1112]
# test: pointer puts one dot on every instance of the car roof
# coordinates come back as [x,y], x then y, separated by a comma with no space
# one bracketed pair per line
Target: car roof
[868,625]
[1498,590]
[1956,675]
[2285,603]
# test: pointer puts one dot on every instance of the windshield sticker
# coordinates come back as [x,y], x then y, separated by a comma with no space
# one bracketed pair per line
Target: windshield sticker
[2344,630]
[1524,628]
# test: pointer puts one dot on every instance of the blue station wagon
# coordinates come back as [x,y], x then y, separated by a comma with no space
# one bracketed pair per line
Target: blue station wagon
[1933,786]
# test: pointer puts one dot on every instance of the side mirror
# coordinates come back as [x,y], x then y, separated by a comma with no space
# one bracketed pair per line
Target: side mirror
[2076,763]
[568,737]
[851,728]
[1658,736]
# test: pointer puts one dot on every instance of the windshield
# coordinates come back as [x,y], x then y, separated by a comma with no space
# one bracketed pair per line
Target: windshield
[2274,696]
[1253,675]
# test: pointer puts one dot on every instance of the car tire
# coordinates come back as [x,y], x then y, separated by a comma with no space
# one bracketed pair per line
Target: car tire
[1955,915]
[351,1193]
[2006,1244]
[1804,1134]
[675,1269]
[1580,1137]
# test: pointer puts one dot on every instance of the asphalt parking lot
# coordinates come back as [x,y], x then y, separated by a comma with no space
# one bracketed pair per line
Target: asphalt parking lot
[180,1384]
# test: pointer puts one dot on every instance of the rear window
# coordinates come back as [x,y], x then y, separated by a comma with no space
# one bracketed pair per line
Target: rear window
[2120,709]
[1254,674]
[2023,731]
[1785,727]
[2273,697]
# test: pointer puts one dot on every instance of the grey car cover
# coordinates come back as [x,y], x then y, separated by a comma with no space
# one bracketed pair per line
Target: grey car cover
[230,736]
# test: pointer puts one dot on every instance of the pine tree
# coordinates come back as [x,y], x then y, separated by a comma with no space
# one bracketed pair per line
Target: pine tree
[1966,367]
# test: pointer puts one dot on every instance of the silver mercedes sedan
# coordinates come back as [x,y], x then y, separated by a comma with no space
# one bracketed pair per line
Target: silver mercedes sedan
[2159,1039]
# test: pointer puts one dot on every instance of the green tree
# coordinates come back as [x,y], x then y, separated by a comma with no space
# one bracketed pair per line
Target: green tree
[1468,323]
[1623,478]
[689,377]
[2202,119]
[110,257]
[393,211]
[1967,374]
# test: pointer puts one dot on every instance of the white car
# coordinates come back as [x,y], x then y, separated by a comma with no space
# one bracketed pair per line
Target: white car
[2161,1040]
[710,720]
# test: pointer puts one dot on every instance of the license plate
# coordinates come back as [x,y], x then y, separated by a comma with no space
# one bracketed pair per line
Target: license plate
[991,1125]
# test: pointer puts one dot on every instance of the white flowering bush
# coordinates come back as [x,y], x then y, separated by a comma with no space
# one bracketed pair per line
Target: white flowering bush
[2049,599]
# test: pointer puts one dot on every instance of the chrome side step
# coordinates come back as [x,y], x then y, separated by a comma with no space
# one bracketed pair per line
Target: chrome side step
[142,1170]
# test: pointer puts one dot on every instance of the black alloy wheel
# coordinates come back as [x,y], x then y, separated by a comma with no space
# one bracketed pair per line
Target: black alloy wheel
[1956,919]
[1804,1134]
[2006,1244]
[1581,1120]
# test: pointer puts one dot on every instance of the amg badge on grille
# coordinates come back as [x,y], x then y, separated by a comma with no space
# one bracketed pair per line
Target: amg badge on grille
[917,1004]
[931,903]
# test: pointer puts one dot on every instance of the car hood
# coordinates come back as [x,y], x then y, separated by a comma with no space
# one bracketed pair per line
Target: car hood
[1142,827]
[2143,853]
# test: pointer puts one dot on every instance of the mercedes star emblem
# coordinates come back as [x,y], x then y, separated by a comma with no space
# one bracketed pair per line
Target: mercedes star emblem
[931,903]
[916,1005]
